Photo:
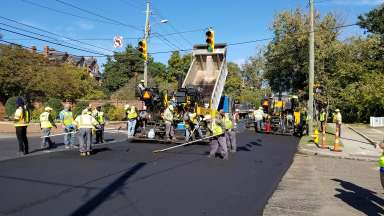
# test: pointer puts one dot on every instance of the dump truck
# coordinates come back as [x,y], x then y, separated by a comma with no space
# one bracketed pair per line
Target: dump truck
[201,89]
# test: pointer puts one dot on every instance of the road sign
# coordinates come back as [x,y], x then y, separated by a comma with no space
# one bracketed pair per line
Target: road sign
[118,41]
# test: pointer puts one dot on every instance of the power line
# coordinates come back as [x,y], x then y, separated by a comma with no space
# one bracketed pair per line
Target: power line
[64,12]
[60,44]
[52,33]
[98,15]
[172,26]
[41,35]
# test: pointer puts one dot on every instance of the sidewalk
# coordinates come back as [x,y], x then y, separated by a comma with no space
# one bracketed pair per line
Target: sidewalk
[374,135]
[355,147]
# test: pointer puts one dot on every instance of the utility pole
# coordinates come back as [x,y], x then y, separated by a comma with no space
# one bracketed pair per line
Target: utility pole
[146,36]
[311,67]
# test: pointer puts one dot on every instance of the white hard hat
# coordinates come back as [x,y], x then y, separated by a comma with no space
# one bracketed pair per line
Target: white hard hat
[337,110]
[260,107]
[207,117]
[48,109]
[126,106]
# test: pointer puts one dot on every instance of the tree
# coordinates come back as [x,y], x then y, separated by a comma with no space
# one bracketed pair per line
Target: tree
[121,68]
[178,66]
[287,55]
[233,83]
[373,21]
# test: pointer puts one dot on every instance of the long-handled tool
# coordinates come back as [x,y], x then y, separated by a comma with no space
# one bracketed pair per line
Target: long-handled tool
[60,134]
[184,144]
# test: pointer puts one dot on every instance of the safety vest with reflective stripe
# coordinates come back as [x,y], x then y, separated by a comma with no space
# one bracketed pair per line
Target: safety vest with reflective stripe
[132,114]
[228,123]
[322,116]
[381,163]
[216,129]
[86,121]
[67,117]
[100,117]
[21,117]
[45,121]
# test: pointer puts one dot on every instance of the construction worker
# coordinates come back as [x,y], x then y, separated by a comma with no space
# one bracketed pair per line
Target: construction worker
[99,116]
[191,124]
[168,120]
[230,134]
[21,119]
[86,122]
[337,118]
[322,118]
[381,163]
[258,116]
[46,124]
[67,123]
[132,119]
[217,142]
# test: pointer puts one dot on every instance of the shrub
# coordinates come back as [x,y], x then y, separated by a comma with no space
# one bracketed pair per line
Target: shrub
[56,105]
[35,114]
[79,107]
[116,114]
[107,107]
[10,107]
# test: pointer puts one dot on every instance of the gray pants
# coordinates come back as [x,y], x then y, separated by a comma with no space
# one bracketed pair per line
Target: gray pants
[85,139]
[46,140]
[169,130]
[230,137]
[194,128]
[219,143]
[69,138]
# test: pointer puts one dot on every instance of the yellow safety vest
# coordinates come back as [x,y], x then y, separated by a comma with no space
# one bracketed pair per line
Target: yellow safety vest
[297,118]
[44,120]
[86,121]
[322,116]
[100,117]
[21,117]
[216,129]
[228,123]
[68,117]
[132,114]
[381,163]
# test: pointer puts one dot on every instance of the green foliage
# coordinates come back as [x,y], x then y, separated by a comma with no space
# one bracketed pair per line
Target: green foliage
[79,107]
[373,21]
[116,114]
[286,57]
[178,66]
[24,73]
[121,68]
[35,114]
[107,107]
[56,105]
[233,83]
[10,106]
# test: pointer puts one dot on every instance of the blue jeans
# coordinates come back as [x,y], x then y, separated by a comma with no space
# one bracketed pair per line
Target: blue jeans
[69,139]
[258,125]
[131,127]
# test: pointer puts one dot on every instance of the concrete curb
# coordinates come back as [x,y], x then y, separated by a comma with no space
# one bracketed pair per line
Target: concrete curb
[364,136]
[339,155]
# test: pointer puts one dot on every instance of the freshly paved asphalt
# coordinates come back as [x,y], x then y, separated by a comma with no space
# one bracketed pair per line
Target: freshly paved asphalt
[126,178]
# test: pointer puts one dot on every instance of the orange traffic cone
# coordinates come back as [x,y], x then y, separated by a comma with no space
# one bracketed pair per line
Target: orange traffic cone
[336,146]
[324,138]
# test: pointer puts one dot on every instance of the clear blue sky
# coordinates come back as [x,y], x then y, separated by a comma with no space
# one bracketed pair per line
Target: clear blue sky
[233,21]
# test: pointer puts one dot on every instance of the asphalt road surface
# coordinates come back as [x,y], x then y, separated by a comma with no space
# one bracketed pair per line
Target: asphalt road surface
[126,178]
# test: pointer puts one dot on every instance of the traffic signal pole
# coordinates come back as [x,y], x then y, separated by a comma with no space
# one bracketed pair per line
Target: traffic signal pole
[311,68]
[146,36]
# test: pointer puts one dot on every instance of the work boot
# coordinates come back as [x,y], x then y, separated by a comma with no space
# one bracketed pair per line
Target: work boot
[82,154]
[225,157]
[211,156]
[88,153]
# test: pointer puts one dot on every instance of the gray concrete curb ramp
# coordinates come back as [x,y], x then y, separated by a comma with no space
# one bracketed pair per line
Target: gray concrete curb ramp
[340,155]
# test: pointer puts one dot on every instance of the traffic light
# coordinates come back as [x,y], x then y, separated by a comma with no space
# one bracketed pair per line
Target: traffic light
[210,40]
[143,49]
